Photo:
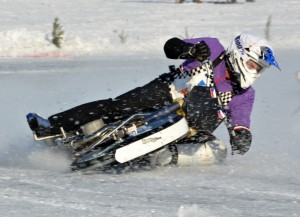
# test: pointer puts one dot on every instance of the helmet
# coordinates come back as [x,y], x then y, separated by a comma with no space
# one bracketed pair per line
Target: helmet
[247,48]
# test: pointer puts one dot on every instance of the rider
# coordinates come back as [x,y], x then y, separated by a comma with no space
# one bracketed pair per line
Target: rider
[235,70]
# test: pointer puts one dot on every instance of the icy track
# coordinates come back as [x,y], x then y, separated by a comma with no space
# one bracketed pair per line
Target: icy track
[35,181]
[94,64]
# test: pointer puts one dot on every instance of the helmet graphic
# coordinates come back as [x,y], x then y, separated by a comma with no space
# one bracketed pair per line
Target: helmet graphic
[248,56]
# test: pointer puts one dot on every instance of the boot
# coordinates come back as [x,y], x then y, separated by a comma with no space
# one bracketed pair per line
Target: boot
[39,125]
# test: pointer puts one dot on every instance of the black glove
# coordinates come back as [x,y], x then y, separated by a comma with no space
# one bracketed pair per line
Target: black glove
[200,51]
[240,140]
[176,48]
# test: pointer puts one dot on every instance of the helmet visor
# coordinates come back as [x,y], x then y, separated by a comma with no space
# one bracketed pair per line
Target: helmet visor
[266,58]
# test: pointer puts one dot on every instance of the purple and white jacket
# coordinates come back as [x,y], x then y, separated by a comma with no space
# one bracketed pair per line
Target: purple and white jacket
[240,107]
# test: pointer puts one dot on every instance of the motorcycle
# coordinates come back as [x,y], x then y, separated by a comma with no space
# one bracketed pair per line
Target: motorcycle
[158,138]
[155,139]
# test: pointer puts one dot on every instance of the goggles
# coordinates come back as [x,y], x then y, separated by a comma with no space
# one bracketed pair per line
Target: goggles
[253,67]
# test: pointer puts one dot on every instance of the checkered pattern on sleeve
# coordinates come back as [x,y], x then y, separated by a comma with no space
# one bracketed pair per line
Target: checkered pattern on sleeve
[203,70]
[191,73]
[225,97]
[198,70]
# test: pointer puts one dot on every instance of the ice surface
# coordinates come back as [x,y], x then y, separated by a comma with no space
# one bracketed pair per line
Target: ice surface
[36,182]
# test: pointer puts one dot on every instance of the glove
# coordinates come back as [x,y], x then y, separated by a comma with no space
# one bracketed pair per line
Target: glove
[176,48]
[240,140]
[200,51]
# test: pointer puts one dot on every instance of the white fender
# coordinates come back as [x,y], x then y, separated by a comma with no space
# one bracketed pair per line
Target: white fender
[152,142]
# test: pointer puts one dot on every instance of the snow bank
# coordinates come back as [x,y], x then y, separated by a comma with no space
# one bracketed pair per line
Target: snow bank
[137,26]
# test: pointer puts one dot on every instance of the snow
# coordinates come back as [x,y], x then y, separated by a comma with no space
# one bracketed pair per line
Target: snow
[94,64]
[92,27]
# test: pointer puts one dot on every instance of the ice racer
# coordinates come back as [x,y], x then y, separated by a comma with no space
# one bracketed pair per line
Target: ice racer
[235,70]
